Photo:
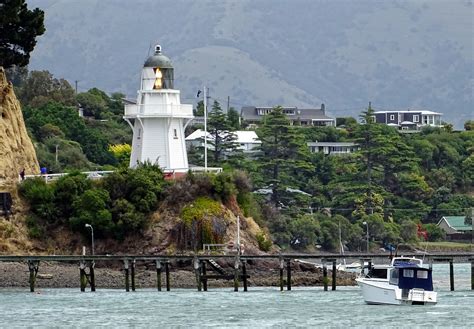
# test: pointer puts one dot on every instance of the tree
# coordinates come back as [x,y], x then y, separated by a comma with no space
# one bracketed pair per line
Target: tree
[19,28]
[222,140]
[284,155]
[233,118]
[41,87]
[92,104]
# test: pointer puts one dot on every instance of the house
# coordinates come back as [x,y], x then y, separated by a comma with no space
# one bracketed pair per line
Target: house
[409,120]
[247,139]
[304,117]
[332,148]
[456,227]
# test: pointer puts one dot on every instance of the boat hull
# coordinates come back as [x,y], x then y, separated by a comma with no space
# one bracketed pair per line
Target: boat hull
[381,292]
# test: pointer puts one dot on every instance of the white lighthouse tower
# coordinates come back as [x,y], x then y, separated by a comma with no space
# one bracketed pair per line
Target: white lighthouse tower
[158,118]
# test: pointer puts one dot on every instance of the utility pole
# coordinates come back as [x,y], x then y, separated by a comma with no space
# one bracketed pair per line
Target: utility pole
[228,104]
[205,128]
[75,82]
[57,146]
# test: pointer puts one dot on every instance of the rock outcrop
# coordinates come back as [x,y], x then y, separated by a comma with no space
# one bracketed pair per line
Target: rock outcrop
[16,149]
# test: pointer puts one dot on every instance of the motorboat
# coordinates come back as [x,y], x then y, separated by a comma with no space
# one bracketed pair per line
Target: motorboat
[405,281]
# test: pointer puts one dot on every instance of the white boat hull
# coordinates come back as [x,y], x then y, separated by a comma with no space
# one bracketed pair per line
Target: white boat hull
[381,292]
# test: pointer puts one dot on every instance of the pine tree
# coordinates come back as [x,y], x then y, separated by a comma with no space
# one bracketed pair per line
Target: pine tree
[19,28]
[284,154]
[222,140]
[234,119]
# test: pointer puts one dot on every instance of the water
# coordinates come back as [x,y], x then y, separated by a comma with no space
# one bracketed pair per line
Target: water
[260,307]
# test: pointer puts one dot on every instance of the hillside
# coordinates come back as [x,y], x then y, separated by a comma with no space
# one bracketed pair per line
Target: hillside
[397,54]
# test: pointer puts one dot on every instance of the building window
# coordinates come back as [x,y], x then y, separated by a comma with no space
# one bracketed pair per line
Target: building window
[392,116]
[416,118]
[175,133]
[139,133]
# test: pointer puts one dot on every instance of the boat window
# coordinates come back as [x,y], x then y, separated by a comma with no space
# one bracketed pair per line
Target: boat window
[422,274]
[408,273]
[394,276]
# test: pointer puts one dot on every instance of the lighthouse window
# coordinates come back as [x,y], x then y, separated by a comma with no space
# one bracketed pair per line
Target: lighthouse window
[139,133]
[158,78]
[175,134]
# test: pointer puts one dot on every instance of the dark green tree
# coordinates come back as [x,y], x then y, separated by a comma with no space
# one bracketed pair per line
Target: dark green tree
[19,28]
[233,118]
[222,141]
[284,155]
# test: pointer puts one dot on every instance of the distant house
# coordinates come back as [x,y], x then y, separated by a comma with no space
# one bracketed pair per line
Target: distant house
[248,140]
[410,120]
[455,227]
[304,117]
[332,148]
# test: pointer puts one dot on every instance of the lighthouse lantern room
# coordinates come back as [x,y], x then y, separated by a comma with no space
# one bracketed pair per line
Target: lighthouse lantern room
[158,118]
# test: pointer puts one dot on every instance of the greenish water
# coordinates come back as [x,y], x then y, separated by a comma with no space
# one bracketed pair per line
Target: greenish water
[260,307]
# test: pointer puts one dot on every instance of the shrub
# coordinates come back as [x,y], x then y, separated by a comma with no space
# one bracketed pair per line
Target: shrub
[264,244]
[35,229]
[40,195]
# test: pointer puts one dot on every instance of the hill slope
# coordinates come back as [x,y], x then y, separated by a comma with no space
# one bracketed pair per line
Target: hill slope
[397,54]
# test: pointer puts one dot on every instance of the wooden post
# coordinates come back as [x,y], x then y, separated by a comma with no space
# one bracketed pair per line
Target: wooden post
[236,273]
[197,271]
[282,266]
[333,275]
[133,274]
[244,274]
[472,274]
[127,282]
[451,275]
[83,277]
[325,277]
[33,267]
[158,275]
[167,274]
[92,275]
[288,274]
[204,273]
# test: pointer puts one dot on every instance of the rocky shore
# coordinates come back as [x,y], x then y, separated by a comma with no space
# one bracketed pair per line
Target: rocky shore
[63,275]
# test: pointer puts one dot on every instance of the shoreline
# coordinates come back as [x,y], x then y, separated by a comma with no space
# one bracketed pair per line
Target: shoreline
[64,275]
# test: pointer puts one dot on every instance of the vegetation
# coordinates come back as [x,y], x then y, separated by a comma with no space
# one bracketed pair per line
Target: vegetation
[19,28]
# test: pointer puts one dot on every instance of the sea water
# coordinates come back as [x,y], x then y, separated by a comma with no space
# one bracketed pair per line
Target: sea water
[260,307]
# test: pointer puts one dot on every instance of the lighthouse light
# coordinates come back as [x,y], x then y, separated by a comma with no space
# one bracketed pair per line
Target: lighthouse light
[158,79]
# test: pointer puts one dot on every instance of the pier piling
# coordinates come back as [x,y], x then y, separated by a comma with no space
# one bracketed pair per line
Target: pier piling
[451,275]
[333,275]
[125,268]
[325,277]
[282,265]
[92,275]
[83,276]
[472,273]
[167,274]
[204,274]
[33,266]
[288,274]
[244,274]
[236,273]
[197,271]
[133,274]
[158,275]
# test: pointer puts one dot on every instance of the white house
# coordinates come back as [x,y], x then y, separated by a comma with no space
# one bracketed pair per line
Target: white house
[332,148]
[247,139]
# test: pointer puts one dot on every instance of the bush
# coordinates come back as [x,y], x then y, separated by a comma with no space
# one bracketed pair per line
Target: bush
[40,195]
[435,233]
[264,244]
[35,229]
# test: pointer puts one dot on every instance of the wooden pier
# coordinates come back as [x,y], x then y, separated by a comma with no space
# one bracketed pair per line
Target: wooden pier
[202,264]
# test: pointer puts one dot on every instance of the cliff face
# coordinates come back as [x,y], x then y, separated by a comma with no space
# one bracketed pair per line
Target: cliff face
[16,149]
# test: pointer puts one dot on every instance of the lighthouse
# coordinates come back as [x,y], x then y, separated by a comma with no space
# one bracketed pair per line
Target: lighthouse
[158,118]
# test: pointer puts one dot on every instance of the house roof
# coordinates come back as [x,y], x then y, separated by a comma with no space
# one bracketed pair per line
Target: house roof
[410,111]
[243,136]
[456,223]
[250,113]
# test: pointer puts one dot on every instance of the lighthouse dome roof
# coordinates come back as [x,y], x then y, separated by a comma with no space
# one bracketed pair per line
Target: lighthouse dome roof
[158,59]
